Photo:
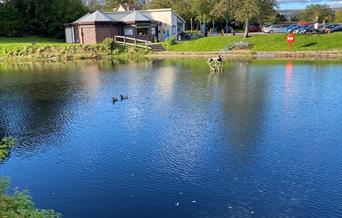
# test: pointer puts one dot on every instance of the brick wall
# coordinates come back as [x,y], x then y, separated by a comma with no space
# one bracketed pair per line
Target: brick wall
[106,31]
[95,33]
[85,34]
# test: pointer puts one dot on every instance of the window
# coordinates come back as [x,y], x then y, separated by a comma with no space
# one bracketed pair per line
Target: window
[153,31]
[174,30]
[143,31]
[128,31]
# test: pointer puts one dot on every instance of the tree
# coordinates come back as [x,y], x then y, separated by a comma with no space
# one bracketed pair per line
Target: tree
[275,18]
[10,25]
[201,10]
[94,5]
[338,16]
[314,11]
[112,4]
[181,7]
[245,10]
[46,18]
[223,9]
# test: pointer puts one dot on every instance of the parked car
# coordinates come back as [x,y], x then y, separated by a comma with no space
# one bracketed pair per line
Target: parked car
[290,28]
[307,29]
[254,28]
[265,26]
[334,28]
[297,29]
[273,29]
[300,28]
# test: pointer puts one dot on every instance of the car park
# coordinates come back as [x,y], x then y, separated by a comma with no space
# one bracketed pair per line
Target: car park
[300,29]
[307,29]
[334,28]
[254,28]
[290,28]
[273,29]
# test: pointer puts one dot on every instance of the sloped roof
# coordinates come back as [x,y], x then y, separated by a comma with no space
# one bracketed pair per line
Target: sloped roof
[134,17]
[121,16]
[117,16]
[97,16]
[81,18]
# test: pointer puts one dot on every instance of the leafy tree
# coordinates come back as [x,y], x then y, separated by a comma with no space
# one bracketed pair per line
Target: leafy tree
[181,7]
[94,5]
[314,11]
[46,18]
[223,9]
[338,16]
[112,4]
[10,25]
[246,10]
[201,9]
[275,18]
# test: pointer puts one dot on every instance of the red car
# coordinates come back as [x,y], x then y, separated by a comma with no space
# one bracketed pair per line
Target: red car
[254,28]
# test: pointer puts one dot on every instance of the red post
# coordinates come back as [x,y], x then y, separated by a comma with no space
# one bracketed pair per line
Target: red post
[290,39]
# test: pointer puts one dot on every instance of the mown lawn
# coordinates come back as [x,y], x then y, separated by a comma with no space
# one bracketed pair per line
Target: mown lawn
[266,42]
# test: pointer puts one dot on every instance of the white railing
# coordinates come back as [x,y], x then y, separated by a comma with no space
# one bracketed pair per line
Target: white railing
[132,41]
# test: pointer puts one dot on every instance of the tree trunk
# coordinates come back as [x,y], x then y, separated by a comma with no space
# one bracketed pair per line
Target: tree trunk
[246,28]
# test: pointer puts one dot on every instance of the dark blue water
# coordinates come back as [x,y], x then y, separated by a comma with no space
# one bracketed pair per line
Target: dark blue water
[261,139]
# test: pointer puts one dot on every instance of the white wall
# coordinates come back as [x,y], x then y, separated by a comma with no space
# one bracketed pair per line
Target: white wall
[69,35]
[168,18]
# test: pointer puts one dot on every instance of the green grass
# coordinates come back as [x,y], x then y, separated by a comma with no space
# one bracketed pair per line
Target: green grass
[267,42]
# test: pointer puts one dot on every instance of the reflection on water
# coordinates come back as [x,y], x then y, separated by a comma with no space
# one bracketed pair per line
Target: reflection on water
[261,138]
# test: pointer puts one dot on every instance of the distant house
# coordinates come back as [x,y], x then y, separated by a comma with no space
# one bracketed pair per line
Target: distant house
[141,24]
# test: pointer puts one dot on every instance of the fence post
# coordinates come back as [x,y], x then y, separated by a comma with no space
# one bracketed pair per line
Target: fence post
[124,39]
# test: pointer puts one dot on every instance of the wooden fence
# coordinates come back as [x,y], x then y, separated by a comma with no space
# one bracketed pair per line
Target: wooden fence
[132,42]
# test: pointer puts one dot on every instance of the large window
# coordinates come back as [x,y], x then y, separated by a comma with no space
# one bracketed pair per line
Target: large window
[128,31]
[143,31]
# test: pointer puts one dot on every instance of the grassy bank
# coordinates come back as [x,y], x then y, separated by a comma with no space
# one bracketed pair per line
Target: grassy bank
[37,48]
[264,42]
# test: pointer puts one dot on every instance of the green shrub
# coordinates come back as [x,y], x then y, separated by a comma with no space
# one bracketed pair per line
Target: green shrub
[170,41]
[109,45]
[20,204]
[5,144]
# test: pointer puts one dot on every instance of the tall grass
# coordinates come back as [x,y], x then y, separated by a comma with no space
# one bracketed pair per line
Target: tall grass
[35,48]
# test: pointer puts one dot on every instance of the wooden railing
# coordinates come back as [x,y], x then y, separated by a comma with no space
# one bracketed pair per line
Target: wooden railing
[132,42]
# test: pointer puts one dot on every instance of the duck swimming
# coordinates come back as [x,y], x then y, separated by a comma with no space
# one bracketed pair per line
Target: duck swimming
[114,100]
[123,97]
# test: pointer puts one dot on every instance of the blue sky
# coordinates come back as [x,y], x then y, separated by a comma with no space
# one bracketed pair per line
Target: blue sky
[299,4]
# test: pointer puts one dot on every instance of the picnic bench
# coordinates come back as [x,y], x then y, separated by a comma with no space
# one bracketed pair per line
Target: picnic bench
[241,45]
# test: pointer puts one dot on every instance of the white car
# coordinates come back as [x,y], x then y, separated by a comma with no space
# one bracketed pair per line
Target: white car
[273,29]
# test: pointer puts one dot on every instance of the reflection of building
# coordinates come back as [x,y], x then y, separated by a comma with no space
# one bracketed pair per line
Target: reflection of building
[141,24]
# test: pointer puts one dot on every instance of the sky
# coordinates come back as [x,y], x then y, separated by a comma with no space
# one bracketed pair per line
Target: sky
[300,4]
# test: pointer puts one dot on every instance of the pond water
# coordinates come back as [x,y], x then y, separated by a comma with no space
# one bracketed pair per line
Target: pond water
[260,139]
